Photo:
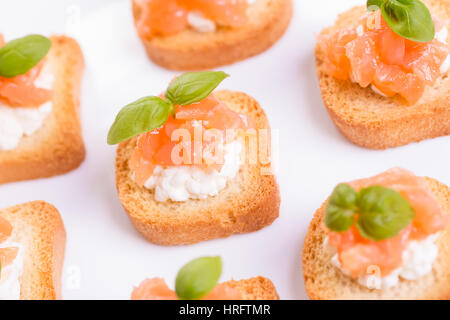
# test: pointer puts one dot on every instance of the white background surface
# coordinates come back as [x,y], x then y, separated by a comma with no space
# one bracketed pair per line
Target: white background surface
[105,255]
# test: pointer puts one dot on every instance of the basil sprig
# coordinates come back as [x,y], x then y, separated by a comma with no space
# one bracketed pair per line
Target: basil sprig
[198,278]
[410,19]
[149,113]
[380,213]
[20,55]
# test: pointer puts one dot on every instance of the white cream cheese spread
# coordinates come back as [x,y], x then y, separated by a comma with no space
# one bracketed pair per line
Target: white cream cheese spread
[418,259]
[181,183]
[18,122]
[10,274]
[199,23]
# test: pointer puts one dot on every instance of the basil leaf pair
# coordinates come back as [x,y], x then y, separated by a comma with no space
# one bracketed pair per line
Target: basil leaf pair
[19,56]
[381,212]
[149,113]
[410,19]
[197,278]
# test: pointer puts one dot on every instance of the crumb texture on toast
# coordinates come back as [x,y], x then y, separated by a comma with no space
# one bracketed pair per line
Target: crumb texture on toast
[372,121]
[258,288]
[249,202]
[39,228]
[323,281]
[57,147]
[193,50]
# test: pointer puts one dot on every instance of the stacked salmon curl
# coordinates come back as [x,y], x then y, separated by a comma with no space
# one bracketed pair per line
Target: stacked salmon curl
[371,54]
[156,148]
[168,17]
[357,254]
[21,91]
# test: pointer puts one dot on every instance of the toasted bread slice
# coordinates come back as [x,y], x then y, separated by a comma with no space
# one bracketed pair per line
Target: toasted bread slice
[193,50]
[38,227]
[324,281]
[57,147]
[250,202]
[373,121]
[258,288]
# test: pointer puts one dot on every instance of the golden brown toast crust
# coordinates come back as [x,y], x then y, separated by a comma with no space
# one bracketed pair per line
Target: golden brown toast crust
[372,121]
[323,281]
[258,288]
[39,228]
[192,50]
[250,202]
[57,147]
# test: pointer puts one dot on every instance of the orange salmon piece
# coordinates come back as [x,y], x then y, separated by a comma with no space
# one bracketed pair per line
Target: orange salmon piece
[161,17]
[231,13]
[7,255]
[223,292]
[363,59]
[356,253]
[157,289]
[157,148]
[5,229]
[373,54]
[337,62]
[153,289]
[20,91]
[168,17]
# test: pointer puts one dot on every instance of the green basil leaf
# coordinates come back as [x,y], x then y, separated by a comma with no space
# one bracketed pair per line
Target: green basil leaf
[198,278]
[374,5]
[19,56]
[383,213]
[410,19]
[341,208]
[193,87]
[141,116]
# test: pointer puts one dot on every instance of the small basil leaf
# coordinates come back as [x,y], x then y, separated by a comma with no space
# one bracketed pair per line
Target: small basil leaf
[141,116]
[410,19]
[383,213]
[341,208]
[193,87]
[374,5]
[198,277]
[19,56]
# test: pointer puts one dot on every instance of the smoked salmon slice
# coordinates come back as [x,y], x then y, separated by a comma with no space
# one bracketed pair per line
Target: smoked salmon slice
[7,255]
[153,289]
[157,148]
[356,253]
[168,17]
[372,54]
[157,289]
[21,91]
[161,17]
[231,13]
[5,229]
